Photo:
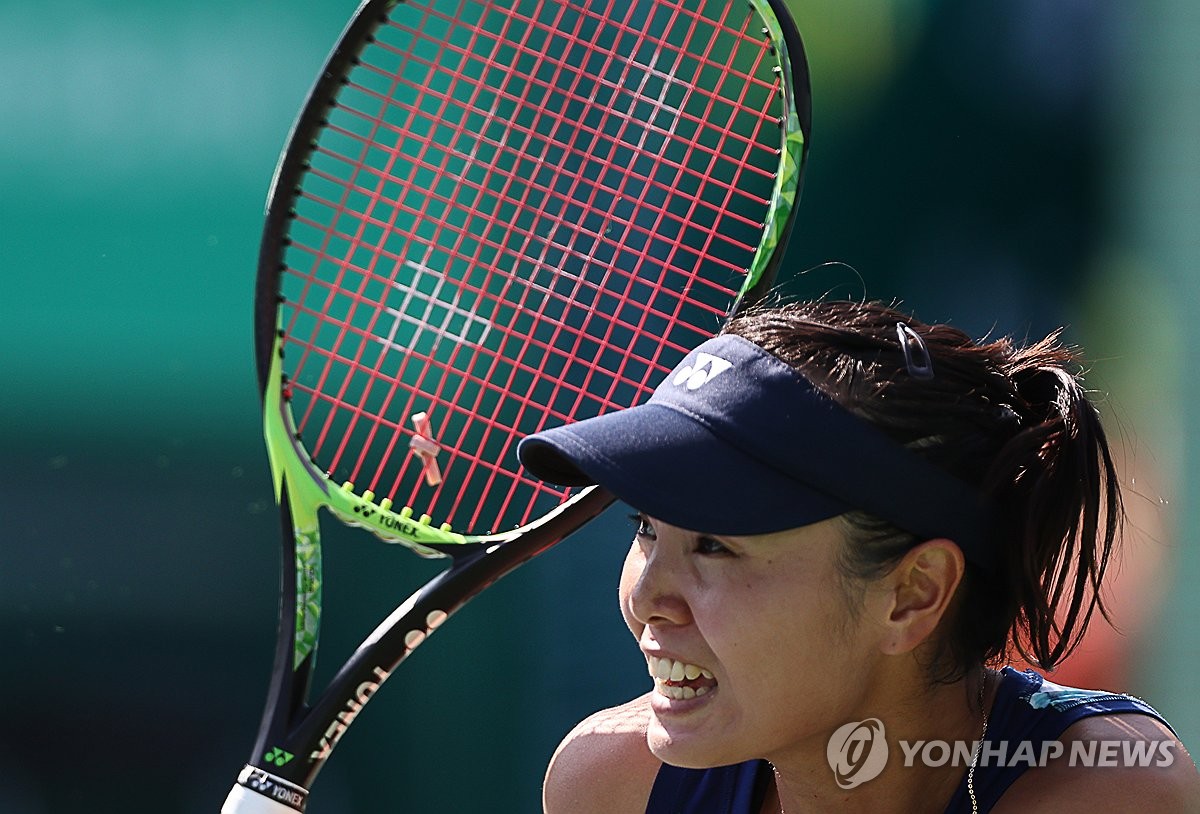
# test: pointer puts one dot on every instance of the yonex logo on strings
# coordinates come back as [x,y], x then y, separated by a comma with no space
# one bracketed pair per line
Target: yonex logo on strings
[706,368]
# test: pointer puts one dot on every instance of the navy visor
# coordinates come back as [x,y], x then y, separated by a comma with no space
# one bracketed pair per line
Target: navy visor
[734,441]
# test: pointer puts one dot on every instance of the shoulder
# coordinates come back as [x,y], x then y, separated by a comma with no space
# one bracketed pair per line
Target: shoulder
[1125,762]
[603,765]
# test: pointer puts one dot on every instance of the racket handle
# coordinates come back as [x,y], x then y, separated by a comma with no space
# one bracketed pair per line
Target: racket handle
[245,800]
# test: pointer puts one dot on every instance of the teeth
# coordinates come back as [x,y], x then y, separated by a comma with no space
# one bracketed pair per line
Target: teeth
[681,693]
[671,670]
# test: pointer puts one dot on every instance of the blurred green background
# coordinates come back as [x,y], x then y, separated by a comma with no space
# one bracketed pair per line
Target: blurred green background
[1009,167]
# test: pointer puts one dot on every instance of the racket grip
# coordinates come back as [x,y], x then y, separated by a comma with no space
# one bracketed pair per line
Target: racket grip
[244,800]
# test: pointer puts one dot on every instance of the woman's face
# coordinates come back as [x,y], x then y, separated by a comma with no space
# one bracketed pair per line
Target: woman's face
[754,646]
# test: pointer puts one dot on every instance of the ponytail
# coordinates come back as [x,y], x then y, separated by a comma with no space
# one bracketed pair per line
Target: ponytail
[1058,482]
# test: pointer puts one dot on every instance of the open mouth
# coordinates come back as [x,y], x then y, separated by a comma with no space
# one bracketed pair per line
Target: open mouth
[678,679]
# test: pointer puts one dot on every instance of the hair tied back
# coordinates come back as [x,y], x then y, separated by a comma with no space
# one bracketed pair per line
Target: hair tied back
[1006,415]
[916,354]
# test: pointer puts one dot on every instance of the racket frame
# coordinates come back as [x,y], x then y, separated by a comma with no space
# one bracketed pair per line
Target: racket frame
[301,488]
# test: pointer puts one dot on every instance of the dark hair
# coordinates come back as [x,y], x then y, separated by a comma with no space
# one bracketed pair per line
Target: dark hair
[1012,420]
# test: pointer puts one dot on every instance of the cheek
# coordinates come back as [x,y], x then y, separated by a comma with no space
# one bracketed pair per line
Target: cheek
[782,631]
[630,572]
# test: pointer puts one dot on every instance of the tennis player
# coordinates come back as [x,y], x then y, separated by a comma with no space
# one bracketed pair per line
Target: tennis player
[847,521]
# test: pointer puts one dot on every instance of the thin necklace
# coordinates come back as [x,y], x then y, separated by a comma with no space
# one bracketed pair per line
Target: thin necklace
[979,748]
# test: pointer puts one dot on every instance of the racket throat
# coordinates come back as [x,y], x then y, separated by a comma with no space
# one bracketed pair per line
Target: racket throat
[341,722]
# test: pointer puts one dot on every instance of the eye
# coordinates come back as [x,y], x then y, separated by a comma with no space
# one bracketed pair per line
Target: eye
[711,547]
[641,523]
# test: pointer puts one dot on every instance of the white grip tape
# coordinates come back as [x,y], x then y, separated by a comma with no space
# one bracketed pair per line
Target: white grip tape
[258,792]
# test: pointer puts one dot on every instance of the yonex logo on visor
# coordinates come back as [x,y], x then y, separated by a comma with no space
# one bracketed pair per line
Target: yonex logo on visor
[707,368]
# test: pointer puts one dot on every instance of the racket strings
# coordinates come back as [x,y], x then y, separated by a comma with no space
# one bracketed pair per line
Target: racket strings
[514,220]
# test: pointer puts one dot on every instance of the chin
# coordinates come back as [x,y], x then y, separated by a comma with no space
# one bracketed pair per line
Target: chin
[689,750]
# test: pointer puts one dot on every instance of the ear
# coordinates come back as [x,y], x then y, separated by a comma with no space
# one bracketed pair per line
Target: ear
[921,589]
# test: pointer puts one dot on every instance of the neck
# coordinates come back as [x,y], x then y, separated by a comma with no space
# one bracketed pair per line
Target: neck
[950,713]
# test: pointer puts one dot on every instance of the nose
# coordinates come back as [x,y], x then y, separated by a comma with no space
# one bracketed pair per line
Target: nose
[650,588]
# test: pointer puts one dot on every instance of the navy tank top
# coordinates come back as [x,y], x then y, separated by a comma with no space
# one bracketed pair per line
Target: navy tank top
[1027,707]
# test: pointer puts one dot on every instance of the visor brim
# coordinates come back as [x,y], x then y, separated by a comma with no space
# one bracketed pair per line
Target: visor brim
[669,466]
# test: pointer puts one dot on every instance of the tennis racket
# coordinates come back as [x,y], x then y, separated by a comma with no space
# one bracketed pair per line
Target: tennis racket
[491,218]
